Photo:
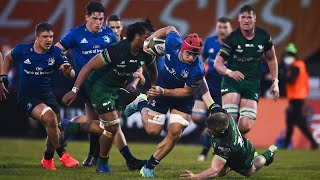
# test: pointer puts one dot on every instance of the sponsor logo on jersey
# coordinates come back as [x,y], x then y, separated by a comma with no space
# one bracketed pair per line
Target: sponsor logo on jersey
[39,68]
[170,70]
[168,56]
[122,64]
[27,61]
[83,41]
[51,61]
[248,45]
[133,61]
[224,90]
[106,103]
[94,51]
[96,46]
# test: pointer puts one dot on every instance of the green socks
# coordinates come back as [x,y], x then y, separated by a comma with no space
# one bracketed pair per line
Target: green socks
[269,154]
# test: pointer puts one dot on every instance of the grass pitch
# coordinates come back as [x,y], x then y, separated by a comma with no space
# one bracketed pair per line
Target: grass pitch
[20,159]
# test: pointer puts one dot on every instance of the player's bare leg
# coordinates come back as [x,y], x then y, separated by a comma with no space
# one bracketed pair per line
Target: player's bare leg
[110,122]
[230,102]
[248,113]
[178,122]
[153,121]
[265,159]
[49,119]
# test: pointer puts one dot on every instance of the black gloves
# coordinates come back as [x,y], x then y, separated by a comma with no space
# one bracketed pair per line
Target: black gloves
[215,108]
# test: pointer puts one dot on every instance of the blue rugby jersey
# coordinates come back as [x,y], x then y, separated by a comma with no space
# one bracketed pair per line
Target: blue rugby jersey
[36,70]
[175,73]
[210,50]
[85,45]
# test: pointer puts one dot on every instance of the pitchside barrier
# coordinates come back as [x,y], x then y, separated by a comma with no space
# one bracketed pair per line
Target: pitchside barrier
[269,127]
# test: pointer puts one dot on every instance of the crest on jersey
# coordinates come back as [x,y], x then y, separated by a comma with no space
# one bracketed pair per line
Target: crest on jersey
[106,39]
[184,73]
[239,49]
[29,105]
[51,61]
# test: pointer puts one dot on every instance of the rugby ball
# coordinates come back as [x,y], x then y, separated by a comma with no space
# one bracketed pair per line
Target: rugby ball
[155,47]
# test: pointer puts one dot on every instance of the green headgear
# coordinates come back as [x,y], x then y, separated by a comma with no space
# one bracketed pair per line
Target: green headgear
[291,48]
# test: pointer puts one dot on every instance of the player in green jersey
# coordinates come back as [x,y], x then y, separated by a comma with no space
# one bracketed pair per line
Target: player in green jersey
[244,49]
[232,151]
[103,78]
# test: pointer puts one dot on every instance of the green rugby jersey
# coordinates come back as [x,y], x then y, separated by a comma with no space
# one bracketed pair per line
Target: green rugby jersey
[121,64]
[232,147]
[245,55]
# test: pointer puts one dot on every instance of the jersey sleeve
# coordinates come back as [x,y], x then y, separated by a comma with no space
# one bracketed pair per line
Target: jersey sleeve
[67,41]
[173,41]
[226,48]
[16,52]
[60,57]
[269,43]
[205,50]
[149,58]
[222,152]
[106,56]
[196,77]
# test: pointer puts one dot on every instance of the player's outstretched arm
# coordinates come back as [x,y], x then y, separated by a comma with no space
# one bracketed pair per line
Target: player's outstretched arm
[217,165]
[162,33]
[176,92]
[96,62]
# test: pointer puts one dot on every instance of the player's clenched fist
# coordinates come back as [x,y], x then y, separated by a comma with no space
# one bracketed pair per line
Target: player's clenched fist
[70,97]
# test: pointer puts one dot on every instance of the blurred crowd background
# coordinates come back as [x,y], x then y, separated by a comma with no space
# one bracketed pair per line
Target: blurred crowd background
[288,21]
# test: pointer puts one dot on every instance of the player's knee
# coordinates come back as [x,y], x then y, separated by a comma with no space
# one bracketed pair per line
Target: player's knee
[245,125]
[154,132]
[175,133]
[109,127]
[48,117]
[198,116]
[248,113]
[231,109]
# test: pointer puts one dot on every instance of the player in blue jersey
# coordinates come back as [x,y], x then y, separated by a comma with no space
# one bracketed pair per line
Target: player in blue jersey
[177,82]
[210,49]
[38,62]
[85,42]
